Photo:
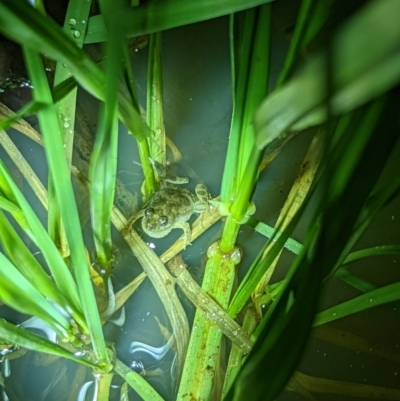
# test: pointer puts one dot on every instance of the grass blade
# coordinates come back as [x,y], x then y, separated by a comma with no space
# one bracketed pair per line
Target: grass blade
[285,328]
[18,293]
[30,223]
[156,16]
[380,296]
[137,382]
[74,25]
[27,26]
[154,109]
[367,55]
[26,263]
[65,197]
[103,162]
[26,339]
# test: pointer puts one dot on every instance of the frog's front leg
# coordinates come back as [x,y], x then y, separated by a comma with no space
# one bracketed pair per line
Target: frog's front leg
[187,232]
[131,220]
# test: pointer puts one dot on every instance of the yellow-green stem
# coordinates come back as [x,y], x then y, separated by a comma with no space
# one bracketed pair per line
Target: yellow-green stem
[229,235]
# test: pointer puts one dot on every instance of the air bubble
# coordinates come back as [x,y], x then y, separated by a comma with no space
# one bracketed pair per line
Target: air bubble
[72,21]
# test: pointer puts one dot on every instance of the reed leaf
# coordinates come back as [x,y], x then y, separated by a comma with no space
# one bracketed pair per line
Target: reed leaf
[380,296]
[372,251]
[27,26]
[312,15]
[366,54]
[26,339]
[30,223]
[103,162]
[75,26]
[26,263]
[137,382]
[62,184]
[154,109]
[293,312]
[19,293]
[156,16]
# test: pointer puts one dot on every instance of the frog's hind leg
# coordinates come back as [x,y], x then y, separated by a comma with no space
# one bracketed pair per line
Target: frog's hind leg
[202,204]
[162,173]
[203,195]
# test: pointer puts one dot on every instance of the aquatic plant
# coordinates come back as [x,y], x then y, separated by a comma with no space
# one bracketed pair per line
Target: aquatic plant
[344,94]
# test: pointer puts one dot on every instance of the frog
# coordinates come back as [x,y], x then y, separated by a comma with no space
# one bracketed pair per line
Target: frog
[172,206]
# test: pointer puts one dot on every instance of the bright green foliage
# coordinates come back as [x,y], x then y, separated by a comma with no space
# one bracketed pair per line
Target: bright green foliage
[343,90]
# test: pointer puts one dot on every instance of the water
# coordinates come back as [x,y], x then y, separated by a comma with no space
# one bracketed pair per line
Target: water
[198,106]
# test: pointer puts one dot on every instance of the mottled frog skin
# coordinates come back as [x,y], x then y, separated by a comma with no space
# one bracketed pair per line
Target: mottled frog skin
[171,207]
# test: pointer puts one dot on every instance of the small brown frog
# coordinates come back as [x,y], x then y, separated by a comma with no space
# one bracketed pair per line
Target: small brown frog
[171,207]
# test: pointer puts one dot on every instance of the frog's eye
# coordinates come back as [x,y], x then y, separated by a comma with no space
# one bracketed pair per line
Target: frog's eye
[163,220]
[148,212]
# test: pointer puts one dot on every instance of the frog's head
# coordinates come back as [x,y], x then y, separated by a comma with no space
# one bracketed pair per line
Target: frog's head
[155,224]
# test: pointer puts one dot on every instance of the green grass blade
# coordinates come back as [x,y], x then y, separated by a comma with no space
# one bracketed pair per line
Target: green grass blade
[75,26]
[240,47]
[285,328]
[26,263]
[32,107]
[256,89]
[60,175]
[366,55]
[154,109]
[264,229]
[27,26]
[26,339]
[380,296]
[260,266]
[156,16]
[137,382]
[312,16]
[19,293]
[353,280]
[372,251]
[103,161]
[30,223]
[8,206]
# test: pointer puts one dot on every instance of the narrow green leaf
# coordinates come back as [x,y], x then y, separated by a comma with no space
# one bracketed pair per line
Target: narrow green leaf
[27,26]
[372,251]
[264,229]
[312,15]
[30,223]
[26,263]
[366,54]
[65,197]
[26,339]
[18,293]
[154,109]
[137,382]
[249,157]
[380,296]
[159,15]
[74,25]
[8,206]
[285,328]
[103,161]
